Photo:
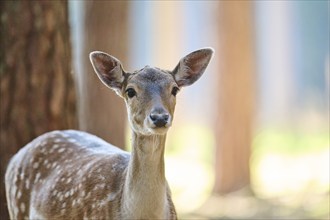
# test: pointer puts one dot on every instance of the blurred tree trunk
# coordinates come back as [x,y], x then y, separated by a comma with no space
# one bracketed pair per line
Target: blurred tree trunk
[101,111]
[37,91]
[236,96]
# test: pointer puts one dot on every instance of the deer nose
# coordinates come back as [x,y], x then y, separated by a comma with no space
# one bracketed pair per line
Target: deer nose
[159,119]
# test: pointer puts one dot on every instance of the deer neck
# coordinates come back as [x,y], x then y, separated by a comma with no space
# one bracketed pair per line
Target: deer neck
[144,194]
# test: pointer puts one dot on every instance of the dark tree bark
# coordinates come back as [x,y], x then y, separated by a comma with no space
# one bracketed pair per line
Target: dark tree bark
[101,111]
[37,90]
[236,101]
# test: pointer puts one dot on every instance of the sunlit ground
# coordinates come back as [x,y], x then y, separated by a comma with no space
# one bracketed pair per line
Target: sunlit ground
[289,176]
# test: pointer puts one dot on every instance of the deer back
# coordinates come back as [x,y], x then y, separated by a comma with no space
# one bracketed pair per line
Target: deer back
[66,174]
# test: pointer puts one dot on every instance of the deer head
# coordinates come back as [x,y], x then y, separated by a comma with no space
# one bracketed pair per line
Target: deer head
[150,93]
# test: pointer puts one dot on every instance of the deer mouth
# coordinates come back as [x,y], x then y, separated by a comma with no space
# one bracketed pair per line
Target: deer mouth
[158,128]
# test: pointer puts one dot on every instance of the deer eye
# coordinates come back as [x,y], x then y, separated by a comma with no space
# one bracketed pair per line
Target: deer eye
[175,91]
[130,92]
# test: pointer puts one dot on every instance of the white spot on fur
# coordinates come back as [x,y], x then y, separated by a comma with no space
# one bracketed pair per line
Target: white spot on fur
[69,180]
[55,146]
[19,194]
[15,179]
[22,207]
[43,150]
[112,196]
[88,194]
[61,150]
[22,176]
[54,192]
[54,164]
[57,140]
[71,192]
[37,177]
[35,165]
[27,183]
[104,202]
[99,186]
[53,186]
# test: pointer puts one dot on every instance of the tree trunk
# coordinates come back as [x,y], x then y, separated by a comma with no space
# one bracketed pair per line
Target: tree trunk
[236,100]
[37,90]
[101,111]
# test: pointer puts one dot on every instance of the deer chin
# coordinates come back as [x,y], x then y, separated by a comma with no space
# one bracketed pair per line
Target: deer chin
[158,131]
[153,130]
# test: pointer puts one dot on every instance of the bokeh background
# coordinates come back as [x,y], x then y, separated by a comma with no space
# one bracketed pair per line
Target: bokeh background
[250,139]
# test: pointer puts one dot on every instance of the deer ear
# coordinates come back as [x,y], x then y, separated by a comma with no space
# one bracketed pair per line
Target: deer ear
[192,66]
[108,69]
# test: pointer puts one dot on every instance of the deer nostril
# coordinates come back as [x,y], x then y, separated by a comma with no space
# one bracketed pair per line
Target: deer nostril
[160,120]
[166,116]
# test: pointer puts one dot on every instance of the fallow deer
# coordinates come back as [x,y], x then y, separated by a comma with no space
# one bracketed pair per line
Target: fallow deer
[75,175]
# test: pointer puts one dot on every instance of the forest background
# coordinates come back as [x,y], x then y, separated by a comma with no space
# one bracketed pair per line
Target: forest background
[252,135]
